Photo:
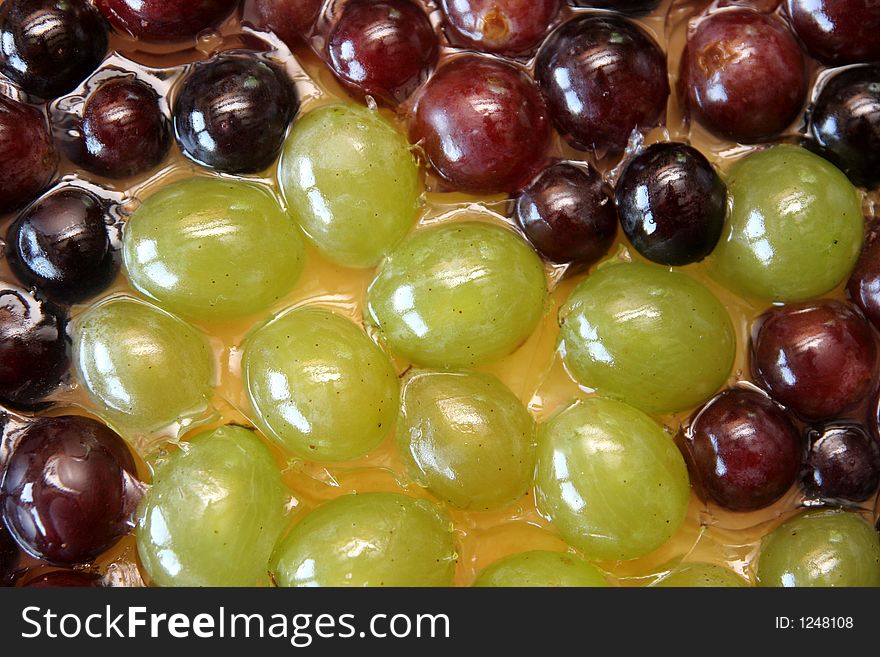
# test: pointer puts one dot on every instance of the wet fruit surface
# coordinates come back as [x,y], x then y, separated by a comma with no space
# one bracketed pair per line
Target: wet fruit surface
[672,204]
[65,489]
[743,449]
[603,78]
[482,124]
[818,359]
[375,322]
[846,122]
[843,463]
[653,338]
[384,49]
[61,246]
[568,214]
[232,113]
[837,32]
[164,20]
[775,195]
[123,132]
[505,27]
[30,159]
[48,47]
[33,348]
[744,75]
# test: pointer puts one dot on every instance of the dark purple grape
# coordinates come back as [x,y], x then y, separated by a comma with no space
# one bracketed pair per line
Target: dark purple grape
[816,358]
[482,124]
[8,556]
[165,20]
[233,111]
[383,48]
[66,489]
[743,450]
[743,75]
[838,31]
[672,204]
[33,348]
[123,132]
[603,78]
[57,579]
[47,47]
[843,463]
[27,153]
[864,283]
[503,27]
[291,20]
[846,122]
[568,214]
[61,247]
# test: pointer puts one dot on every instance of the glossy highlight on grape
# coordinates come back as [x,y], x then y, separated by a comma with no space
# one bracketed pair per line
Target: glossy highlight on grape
[232,113]
[482,124]
[69,489]
[61,246]
[568,214]
[603,78]
[384,49]
[49,47]
[33,348]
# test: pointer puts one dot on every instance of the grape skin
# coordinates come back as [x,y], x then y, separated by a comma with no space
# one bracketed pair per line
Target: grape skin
[213,513]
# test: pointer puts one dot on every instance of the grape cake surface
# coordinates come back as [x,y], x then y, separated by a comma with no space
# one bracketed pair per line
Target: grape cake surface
[513,292]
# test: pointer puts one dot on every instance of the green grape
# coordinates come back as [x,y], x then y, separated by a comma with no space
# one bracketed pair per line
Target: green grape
[541,569]
[458,295]
[795,226]
[214,512]
[467,438]
[351,182]
[701,575]
[208,248]
[610,479]
[144,368]
[651,337]
[319,385]
[370,539]
[821,548]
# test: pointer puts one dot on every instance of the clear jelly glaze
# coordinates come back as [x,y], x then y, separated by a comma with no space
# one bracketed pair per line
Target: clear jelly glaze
[534,372]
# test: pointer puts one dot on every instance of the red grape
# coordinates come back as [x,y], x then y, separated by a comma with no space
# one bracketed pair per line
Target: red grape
[744,75]
[816,358]
[61,246]
[49,47]
[123,132]
[383,48]
[603,78]
[165,20]
[568,214]
[503,27]
[291,20]
[65,491]
[26,150]
[743,450]
[232,113]
[482,124]
[843,463]
[846,123]
[672,204]
[838,31]
[864,283]
[33,348]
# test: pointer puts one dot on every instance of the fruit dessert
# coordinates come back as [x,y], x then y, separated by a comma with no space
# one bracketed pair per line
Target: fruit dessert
[439,292]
